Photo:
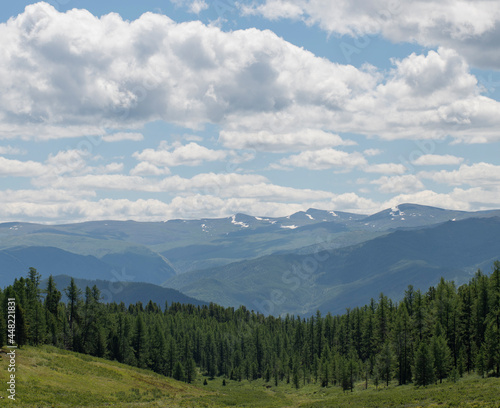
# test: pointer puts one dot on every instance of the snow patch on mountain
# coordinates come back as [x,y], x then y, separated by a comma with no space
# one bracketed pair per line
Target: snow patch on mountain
[241,224]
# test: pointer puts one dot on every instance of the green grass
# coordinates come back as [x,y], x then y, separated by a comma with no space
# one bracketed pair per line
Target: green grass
[49,377]
[470,391]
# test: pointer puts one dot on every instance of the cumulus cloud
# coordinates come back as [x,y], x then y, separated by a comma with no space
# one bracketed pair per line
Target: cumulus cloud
[121,136]
[194,6]
[177,154]
[472,27]
[399,184]
[372,152]
[9,150]
[477,174]
[431,198]
[437,160]
[222,185]
[59,205]
[282,142]
[125,74]
[385,168]
[148,169]
[475,198]
[324,159]
[43,196]
[65,163]
[17,168]
[71,161]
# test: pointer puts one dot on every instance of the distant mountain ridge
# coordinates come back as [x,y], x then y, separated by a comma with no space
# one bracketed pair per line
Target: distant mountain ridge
[175,251]
[332,280]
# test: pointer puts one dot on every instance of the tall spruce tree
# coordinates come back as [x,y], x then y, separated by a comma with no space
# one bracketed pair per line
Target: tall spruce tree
[441,354]
[424,365]
[385,363]
[401,334]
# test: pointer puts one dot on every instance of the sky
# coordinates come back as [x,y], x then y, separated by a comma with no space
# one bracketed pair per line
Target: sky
[158,110]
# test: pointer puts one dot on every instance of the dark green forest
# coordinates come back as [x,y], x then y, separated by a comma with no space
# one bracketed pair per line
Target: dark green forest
[424,338]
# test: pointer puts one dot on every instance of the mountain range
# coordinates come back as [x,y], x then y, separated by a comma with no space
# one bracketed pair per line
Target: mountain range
[314,259]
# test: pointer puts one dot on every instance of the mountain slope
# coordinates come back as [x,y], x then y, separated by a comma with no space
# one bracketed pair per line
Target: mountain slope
[128,292]
[133,266]
[155,251]
[350,276]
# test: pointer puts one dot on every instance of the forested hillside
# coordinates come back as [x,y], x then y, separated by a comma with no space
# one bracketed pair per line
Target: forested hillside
[424,338]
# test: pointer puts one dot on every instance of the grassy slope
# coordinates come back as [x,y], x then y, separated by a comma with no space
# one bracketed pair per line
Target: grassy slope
[50,377]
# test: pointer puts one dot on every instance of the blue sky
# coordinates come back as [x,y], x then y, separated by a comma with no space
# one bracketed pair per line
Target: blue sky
[195,108]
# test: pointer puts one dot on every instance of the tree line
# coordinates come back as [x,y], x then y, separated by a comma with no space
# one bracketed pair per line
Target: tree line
[424,338]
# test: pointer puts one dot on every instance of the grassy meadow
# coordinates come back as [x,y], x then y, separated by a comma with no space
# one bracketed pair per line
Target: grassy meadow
[50,377]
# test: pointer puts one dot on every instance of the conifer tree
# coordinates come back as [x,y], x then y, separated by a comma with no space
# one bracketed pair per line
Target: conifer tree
[178,371]
[402,344]
[424,365]
[140,341]
[385,363]
[441,354]
[36,327]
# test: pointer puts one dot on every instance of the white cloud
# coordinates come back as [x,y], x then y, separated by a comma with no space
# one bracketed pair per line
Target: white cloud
[65,163]
[431,198]
[227,185]
[267,191]
[477,174]
[126,74]
[148,169]
[385,168]
[350,202]
[42,196]
[55,205]
[206,182]
[481,198]
[282,142]
[437,160]
[372,152]
[120,136]
[472,27]
[17,168]
[68,161]
[276,9]
[399,184]
[324,159]
[191,154]
[111,168]
[194,6]
[9,150]
[475,198]
[192,138]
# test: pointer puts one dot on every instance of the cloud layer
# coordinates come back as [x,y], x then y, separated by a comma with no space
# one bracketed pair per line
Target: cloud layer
[119,74]
[471,27]
[250,102]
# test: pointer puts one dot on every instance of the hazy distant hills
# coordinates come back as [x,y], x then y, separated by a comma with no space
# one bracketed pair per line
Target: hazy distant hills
[350,276]
[129,292]
[243,258]
[134,264]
